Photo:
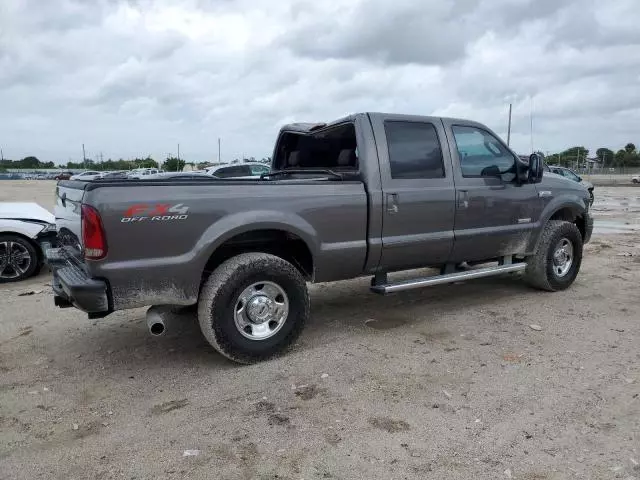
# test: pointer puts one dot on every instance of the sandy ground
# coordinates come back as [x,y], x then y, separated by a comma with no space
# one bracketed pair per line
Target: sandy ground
[445,383]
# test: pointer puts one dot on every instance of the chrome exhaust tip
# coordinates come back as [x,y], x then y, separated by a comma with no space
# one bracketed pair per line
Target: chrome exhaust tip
[156,322]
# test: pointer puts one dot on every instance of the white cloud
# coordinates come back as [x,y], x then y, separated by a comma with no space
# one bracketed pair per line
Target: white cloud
[136,77]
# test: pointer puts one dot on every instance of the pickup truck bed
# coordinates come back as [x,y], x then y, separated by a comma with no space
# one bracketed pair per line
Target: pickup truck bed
[147,239]
[369,194]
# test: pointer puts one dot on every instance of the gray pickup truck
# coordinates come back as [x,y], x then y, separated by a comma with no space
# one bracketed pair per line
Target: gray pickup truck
[369,194]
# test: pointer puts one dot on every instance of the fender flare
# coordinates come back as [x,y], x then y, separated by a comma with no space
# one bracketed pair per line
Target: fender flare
[243,222]
[576,205]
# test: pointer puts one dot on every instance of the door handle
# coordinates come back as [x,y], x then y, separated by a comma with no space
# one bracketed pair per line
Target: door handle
[392,203]
[463,199]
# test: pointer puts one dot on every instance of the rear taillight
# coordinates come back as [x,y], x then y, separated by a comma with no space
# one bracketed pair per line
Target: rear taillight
[93,237]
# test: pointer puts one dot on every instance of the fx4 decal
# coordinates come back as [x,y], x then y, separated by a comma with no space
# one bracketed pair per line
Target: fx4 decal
[159,212]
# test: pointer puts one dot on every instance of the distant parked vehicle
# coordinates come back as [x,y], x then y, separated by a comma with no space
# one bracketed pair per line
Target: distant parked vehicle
[179,175]
[63,176]
[247,169]
[571,175]
[142,173]
[119,175]
[10,176]
[88,175]
[635,179]
[26,231]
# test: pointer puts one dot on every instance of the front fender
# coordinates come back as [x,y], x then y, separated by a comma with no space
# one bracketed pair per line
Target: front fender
[573,203]
[26,229]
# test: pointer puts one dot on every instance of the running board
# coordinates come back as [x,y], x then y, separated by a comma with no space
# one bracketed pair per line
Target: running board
[383,289]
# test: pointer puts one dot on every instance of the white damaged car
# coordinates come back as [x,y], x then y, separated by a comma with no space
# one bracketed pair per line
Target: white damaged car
[26,231]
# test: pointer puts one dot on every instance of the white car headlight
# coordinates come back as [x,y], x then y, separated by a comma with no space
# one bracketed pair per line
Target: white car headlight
[50,227]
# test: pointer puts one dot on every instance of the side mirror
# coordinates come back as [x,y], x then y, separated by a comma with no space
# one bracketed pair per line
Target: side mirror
[536,168]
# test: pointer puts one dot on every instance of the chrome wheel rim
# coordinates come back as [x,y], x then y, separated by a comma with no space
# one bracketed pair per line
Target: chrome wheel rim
[15,260]
[563,257]
[261,310]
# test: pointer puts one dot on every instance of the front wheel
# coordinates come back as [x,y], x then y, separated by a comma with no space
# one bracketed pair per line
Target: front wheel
[557,259]
[253,307]
[18,259]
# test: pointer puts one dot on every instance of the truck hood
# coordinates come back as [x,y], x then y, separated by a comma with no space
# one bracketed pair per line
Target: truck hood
[25,211]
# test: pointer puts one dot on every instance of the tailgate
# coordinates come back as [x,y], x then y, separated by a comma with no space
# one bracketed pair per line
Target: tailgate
[68,215]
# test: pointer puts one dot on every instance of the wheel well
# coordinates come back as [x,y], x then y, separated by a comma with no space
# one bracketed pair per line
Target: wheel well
[283,244]
[569,215]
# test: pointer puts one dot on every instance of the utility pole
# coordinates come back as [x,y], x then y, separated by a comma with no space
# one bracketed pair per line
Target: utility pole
[84,157]
[219,157]
[178,151]
[531,126]
[509,127]
[1,155]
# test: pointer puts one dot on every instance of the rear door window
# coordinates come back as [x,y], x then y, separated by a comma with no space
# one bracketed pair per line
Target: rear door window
[414,150]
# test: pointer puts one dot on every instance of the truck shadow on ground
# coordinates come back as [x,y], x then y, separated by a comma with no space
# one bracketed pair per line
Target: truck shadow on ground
[337,308]
[353,305]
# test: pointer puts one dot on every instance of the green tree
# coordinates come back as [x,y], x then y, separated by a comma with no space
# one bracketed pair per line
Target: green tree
[173,164]
[29,162]
[606,155]
[619,158]
[147,162]
[630,148]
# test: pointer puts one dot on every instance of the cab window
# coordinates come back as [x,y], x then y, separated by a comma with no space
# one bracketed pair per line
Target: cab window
[482,155]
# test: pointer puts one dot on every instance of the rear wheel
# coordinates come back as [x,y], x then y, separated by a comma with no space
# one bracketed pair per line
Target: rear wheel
[253,307]
[556,262]
[18,259]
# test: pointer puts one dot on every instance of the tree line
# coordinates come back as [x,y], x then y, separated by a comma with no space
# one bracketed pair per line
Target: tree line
[629,156]
[33,163]
[170,164]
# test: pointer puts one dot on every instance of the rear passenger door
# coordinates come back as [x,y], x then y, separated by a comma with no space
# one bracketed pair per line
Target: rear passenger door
[418,192]
[495,215]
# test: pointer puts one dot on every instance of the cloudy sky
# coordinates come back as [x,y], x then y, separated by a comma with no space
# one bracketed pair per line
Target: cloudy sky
[138,77]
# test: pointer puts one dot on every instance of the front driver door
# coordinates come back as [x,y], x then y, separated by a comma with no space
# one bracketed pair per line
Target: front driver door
[495,215]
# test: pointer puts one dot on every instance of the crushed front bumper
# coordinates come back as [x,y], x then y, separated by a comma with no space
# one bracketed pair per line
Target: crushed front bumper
[73,287]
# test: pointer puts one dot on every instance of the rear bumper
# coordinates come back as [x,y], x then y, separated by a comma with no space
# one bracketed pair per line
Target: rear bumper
[73,287]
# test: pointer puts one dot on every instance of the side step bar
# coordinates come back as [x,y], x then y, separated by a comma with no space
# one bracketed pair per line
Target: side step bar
[385,288]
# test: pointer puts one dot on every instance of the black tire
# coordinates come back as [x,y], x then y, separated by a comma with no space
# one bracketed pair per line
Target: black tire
[219,296]
[7,272]
[541,270]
